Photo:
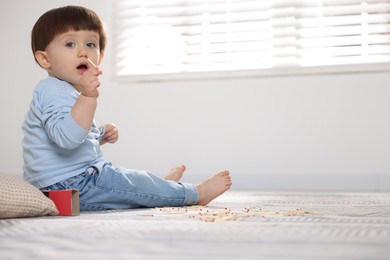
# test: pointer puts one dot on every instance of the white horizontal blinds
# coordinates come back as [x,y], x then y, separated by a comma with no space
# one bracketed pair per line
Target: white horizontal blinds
[230,35]
[157,37]
[336,32]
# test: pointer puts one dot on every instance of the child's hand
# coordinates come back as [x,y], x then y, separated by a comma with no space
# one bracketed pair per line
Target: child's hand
[89,82]
[111,134]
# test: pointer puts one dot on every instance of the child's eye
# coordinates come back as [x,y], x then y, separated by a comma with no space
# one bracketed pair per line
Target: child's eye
[70,44]
[91,45]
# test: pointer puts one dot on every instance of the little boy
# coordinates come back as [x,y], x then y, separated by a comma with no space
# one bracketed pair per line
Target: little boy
[61,144]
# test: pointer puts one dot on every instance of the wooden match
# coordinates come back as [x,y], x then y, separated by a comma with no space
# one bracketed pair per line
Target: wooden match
[91,62]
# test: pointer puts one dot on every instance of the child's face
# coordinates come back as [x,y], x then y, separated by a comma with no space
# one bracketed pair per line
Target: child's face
[67,54]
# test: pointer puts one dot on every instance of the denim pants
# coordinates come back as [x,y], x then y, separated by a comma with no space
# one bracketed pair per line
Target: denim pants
[120,188]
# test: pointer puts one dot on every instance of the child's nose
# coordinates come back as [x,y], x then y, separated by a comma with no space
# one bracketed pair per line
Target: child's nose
[82,52]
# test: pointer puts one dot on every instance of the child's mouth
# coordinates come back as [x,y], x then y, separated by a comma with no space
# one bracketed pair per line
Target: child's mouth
[82,67]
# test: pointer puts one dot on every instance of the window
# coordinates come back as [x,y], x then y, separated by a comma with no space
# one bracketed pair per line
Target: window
[173,39]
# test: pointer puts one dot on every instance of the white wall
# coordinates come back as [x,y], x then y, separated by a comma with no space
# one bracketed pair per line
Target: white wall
[325,132]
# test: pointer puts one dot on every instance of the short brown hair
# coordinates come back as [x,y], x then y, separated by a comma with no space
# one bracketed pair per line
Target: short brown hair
[63,19]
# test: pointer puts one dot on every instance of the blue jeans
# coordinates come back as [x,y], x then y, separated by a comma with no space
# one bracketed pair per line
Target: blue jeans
[120,188]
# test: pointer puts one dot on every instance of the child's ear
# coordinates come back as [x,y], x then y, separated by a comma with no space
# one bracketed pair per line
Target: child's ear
[101,57]
[42,59]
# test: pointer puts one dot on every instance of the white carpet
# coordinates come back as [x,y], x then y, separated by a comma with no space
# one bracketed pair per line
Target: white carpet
[337,226]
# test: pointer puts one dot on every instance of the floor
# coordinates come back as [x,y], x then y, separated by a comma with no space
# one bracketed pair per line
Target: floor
[238,225]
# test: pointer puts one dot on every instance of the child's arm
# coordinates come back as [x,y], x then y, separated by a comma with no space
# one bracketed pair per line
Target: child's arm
[84,109]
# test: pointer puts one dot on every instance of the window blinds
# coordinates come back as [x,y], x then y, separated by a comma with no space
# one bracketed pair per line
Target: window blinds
[156,37]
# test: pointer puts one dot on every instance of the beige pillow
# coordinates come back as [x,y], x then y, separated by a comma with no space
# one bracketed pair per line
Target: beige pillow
[19,198]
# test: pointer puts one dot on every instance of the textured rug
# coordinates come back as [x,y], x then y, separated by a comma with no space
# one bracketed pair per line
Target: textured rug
[238,225]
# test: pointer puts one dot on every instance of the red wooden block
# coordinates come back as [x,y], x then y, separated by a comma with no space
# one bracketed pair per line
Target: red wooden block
[66,201]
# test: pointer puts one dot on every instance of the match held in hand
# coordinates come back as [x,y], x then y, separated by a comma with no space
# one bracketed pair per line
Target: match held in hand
[91,62]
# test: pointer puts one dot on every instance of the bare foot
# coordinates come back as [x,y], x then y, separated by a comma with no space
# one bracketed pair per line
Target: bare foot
[175,174]
[212,187]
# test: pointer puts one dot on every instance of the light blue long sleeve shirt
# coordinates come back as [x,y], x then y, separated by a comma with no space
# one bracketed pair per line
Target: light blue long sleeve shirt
[55,147]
